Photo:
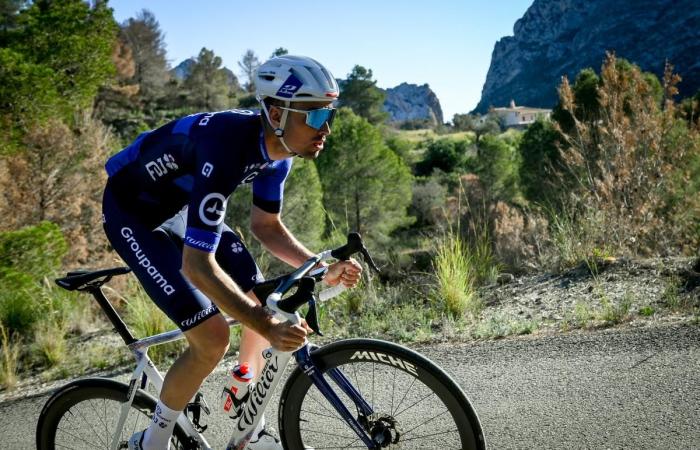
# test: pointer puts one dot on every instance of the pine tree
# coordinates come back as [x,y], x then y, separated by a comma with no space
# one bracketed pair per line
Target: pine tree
[249,64]
[366,186]
[361,94]
[207,84]
[144,37]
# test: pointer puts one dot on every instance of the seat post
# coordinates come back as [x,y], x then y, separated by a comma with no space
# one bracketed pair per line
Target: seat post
[112,315]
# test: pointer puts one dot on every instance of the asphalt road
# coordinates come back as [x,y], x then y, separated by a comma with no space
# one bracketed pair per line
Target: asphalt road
[612,389]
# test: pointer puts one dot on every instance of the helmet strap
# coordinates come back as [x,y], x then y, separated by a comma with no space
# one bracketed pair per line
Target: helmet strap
[279,131]
[289,150]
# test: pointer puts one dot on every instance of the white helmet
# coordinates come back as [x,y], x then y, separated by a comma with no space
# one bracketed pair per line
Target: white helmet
[295,79]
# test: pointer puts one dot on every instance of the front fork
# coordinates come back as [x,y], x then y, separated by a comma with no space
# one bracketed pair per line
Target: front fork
[305,361]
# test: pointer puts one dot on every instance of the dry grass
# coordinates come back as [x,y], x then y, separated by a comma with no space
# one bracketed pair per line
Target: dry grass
[10,358]
[623,165]
[49,343]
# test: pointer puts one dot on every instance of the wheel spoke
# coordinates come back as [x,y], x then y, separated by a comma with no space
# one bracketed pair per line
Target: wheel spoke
[79,438]
[322,415]
[373,367]
[423,423]
[405,407]
[323,405]
[92,428]
[414,404]
[99,417]
[427,435]
[393,387]
[404,396]
[325,433]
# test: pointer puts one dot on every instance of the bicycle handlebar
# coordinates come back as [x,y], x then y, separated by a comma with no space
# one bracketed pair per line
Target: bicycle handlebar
[287,308]
[354,245]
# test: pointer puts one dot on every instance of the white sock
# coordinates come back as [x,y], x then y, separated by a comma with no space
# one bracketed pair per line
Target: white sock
[158,433]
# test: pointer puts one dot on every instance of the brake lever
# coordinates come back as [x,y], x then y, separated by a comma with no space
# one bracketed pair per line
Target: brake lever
[369,260]
[312,317]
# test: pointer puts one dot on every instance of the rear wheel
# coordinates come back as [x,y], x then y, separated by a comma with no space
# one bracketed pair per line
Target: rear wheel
[416,404]
[84,415]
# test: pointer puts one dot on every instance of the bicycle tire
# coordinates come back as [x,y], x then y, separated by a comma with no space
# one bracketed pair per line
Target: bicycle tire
[79,416]
[307,420]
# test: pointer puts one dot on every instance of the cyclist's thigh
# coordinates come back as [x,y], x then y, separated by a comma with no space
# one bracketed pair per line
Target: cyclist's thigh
[156,261]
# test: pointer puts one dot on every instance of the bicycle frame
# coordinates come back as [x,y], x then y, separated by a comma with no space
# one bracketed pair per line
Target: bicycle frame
[267,381]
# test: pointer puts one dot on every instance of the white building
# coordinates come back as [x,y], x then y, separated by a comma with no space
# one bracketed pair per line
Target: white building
[519,116]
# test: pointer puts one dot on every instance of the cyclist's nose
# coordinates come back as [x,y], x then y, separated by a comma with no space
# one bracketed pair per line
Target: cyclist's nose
[325,129]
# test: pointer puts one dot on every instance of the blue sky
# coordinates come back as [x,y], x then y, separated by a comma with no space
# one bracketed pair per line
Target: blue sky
[446,44]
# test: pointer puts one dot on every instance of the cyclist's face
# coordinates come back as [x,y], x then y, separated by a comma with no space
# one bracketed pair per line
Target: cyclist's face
[303,139]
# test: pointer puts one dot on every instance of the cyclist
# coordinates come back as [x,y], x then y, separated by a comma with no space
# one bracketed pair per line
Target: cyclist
[163,212]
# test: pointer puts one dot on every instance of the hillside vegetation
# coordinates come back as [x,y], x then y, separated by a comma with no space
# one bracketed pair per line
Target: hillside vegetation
[448,213]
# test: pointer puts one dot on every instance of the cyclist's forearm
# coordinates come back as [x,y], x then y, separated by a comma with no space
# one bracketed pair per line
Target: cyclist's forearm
[212,281]
[279,241]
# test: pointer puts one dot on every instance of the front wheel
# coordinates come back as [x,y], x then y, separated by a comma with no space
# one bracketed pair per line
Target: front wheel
[84,415]
[415,404]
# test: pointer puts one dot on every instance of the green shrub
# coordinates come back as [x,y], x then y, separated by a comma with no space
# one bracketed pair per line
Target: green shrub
[33,250]
[455,277]
[448,155]
[647,311]
[27,256]
[498,166]
[540,155]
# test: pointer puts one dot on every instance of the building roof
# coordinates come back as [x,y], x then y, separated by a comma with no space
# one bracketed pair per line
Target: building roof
[521,109]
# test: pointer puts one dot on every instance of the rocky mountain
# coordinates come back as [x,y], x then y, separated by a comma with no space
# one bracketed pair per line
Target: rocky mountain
[405,102]
[182,71]
[412,102]
[561,37]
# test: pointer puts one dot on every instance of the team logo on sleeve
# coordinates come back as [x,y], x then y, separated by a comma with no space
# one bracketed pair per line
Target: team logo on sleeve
[161,166]
[207,169]
[212,209]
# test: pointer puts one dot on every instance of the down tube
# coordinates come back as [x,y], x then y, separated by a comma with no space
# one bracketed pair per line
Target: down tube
[307,365]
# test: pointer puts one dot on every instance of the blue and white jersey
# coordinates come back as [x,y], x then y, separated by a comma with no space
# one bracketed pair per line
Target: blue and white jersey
[197,161]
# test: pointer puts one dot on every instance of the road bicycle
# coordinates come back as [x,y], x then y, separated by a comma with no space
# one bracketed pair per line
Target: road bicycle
[353,393]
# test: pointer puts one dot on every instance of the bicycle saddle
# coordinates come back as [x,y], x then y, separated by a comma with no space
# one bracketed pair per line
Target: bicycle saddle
[83,279]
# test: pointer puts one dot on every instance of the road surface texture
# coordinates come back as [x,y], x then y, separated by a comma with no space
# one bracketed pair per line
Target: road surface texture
[626,388]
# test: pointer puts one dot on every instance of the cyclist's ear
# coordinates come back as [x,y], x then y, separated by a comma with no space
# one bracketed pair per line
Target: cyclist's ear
[275,115]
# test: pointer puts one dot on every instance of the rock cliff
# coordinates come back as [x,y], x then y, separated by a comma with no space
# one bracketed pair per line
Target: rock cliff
[182,71]
[561,37]
[410,102]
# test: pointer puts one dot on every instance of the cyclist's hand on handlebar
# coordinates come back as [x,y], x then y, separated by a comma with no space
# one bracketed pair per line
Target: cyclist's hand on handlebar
[347,272]
[286,337]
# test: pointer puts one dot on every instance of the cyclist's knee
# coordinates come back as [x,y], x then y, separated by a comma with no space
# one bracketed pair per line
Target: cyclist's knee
[209,340]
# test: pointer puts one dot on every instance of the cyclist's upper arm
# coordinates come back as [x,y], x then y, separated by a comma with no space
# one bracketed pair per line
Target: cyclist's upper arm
[268,187]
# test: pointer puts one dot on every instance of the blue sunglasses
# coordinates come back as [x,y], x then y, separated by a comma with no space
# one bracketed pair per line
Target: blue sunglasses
[316,118]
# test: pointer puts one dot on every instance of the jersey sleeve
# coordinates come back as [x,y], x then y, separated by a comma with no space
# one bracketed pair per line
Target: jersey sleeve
[268,187]
[210,190]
